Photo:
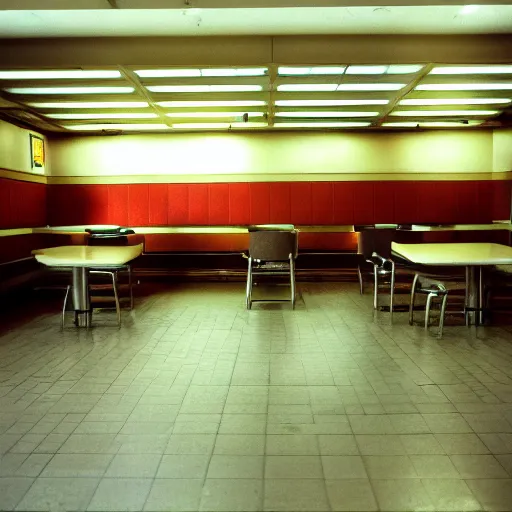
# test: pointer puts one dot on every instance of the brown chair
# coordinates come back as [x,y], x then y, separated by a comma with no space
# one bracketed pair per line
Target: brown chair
[271,252]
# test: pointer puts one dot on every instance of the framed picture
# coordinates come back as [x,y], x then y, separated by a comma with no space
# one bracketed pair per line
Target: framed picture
[37,155]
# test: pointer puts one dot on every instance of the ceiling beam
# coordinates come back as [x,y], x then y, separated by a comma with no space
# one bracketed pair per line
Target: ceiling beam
[256,50]
[41,5]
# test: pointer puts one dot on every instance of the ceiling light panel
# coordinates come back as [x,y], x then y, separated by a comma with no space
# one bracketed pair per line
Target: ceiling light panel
[347,87]
[432,124]
[91,104]
[58,74]
[456,101]
[185,73]
[366,70]
[214,104]
[320,114]
[496,86]
[98,115]
[210,126]
[471,70]
[328,103]
[115,126]
[307,71]
[70,90]
[443,113]
[213,114]
[204,88]
[322,125]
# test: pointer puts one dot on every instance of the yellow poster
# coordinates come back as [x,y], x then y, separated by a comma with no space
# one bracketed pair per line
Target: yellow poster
[37,150]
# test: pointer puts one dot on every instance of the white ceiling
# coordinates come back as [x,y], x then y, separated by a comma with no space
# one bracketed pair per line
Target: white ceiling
[192,21]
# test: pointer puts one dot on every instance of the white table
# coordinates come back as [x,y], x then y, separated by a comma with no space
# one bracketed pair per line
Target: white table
[81,258]
[473,256]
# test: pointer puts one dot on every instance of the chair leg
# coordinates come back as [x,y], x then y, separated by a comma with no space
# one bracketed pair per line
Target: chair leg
[441,318]
[427,309]
[116,297]
[248,291]
[292,280]
[360,277]
[63,319]
[392,292]
[130,285]
[413,296]
[375,287]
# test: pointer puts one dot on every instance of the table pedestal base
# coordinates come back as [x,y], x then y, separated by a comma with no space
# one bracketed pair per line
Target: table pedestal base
[81,299]
[474,306]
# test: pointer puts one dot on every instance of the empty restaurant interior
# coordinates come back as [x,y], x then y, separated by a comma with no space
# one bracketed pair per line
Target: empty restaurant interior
[374,138]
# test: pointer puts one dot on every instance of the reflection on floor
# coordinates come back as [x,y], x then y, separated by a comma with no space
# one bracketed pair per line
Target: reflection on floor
[197,404]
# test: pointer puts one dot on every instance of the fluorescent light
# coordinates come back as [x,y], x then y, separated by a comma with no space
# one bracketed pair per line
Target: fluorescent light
[457,101]
[307,87]
[204,88]
[404,69]
[432,124]
[441,113]
[326,114]
[233,71]
[370,87]
[497,86]
[92,104]
[70,90]
[115,126]
[448,124]
[315,70]
[469,9]
[180,73]
[198,104]
[471,70]
[321,125]
[58,74]
[327,103]
[217,125]
[113,115]
[366,70]
[167,73]
[212,114]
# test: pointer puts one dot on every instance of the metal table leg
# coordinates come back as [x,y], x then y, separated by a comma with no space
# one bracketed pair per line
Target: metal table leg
[474,292]
[81,299]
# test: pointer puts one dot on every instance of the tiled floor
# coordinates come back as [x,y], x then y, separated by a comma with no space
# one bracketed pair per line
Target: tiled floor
[197,404]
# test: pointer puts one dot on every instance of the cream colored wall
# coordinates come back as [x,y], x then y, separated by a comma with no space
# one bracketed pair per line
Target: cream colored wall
[270,155]
[502,150]
[15,149]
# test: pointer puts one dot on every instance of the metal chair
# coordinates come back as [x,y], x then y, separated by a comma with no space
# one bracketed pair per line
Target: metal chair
[271,252]
[113,276]
[374,246]
[434,290]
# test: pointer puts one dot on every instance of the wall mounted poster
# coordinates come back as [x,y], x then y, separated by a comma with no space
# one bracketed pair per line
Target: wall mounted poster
[37,151]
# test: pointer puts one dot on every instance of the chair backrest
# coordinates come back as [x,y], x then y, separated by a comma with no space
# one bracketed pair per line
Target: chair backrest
[273,245]
[376,240]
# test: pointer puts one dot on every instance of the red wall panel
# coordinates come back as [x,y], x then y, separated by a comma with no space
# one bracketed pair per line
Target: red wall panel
[239,204]
[384,202]
[364,198]
[300,203]
[22,204]
[343,210]
[118,204]
[280,203]
[260,203]
[219,204]
[138,205]
[198,204]
[158,201]
[303,203]
[322,194]
[177,201]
